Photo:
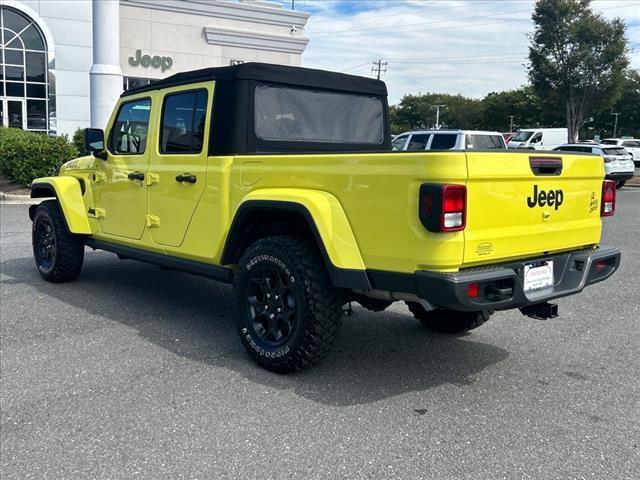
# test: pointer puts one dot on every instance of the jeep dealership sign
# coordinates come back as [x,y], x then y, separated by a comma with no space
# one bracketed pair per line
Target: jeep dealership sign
[164,63]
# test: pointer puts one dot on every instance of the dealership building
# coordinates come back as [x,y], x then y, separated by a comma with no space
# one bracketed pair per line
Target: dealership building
[64,63]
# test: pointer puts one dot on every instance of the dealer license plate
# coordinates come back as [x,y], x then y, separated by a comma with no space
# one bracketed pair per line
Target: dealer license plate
[538,275]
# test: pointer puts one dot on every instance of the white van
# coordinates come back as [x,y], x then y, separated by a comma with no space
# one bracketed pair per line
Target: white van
[539,138]
[448,140]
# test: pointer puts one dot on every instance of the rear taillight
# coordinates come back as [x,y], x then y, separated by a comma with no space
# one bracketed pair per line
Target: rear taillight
[608,201]
[443,207]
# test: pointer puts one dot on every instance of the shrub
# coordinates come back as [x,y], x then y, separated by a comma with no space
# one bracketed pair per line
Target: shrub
[28,155]
[78,142]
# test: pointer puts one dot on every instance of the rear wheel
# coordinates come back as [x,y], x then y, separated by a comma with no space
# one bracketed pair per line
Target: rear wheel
[58,253]
[288,312]
[448,321]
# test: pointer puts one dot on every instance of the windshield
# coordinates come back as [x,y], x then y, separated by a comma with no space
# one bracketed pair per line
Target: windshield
[522,136]
[609,142]
[398,142]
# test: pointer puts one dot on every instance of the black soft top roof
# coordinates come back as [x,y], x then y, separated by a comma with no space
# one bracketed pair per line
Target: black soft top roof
[306,77]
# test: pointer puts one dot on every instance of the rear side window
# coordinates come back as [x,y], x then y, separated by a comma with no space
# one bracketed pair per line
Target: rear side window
[298,115]
[129,132]
[183,119]
[443,141]
[631,144]
[485,142]
[418,142]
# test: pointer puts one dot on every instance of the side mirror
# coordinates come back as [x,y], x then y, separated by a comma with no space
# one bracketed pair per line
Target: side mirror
[94,142]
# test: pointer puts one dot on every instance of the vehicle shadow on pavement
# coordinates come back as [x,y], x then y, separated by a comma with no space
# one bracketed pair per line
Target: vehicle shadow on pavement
[375,356]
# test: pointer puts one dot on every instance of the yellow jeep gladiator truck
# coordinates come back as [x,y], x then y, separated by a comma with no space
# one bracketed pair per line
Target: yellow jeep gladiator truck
[281,180]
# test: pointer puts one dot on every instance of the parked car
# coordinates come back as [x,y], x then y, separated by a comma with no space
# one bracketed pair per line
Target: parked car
[631,145]
[539,138]
[269,190]
[618,163]
[449,140]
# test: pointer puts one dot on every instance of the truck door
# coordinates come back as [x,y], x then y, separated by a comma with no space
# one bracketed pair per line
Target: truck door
[120,179]
[179,161]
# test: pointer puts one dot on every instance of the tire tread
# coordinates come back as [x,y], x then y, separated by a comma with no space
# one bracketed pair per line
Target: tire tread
[69,247]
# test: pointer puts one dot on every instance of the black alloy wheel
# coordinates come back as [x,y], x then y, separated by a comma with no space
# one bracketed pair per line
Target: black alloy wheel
[271,304]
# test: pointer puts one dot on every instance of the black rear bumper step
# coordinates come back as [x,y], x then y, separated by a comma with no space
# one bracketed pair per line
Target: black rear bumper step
[573,271]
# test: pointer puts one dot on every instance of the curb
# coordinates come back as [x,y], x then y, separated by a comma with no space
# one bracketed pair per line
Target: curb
[7,198]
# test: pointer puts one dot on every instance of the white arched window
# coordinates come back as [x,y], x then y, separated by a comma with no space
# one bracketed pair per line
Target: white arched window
[24,82]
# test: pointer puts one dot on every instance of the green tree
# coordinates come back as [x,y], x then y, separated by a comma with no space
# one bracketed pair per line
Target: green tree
[628,107]
[577,59]
[416,111]
[523,104]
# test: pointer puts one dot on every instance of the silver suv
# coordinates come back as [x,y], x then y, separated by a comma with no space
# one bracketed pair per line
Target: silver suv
[448,140]
[618,163]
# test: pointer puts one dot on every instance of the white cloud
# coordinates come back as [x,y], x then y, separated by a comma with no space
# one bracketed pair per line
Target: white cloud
[457,46]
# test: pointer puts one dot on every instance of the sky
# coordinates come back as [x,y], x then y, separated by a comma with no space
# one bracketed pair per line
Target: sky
[471,47]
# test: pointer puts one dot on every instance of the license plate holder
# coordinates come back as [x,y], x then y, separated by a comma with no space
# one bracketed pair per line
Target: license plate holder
[538,275]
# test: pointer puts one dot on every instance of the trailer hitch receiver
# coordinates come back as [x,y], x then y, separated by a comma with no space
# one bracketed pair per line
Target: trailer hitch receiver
[541,311]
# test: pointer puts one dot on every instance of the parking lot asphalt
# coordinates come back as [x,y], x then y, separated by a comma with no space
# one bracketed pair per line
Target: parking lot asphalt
[134,372]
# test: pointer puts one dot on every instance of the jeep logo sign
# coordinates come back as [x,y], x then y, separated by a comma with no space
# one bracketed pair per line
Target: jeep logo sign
[156,61]
[542,198]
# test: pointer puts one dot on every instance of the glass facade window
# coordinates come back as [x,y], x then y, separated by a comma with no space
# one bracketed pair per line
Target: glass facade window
[24,73]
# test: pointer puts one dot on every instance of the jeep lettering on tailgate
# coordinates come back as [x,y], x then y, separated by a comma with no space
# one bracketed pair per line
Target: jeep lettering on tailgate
[549,197]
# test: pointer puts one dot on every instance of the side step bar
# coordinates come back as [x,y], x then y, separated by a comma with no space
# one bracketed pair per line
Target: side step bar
[165,261]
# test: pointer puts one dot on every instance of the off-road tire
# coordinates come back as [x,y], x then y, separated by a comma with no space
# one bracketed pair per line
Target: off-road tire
[65,254]
[316,314]
[448,321]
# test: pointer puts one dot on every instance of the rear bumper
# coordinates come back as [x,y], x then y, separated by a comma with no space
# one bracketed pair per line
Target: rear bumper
[573,271]
[619,176]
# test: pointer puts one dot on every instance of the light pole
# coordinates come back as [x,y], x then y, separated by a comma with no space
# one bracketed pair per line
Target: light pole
[511,117]
[615,125]
[437,109]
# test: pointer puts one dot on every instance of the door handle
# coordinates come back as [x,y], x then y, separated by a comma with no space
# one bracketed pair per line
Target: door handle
[187,177]
[136,176]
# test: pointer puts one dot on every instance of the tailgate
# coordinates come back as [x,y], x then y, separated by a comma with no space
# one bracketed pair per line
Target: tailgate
[520,205]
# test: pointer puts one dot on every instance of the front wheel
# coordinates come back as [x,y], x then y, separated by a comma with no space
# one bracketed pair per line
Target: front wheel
[288,312]
[58,253]
[448,321]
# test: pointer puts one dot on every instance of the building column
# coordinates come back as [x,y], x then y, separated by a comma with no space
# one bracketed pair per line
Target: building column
[106,76]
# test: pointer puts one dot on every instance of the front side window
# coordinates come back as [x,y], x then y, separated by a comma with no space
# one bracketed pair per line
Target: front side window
[298,115]
[443,141]
[183,118]
[418,142]
[485,142]
[631,144]
[129,133]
